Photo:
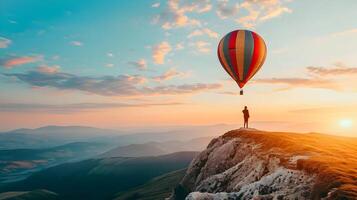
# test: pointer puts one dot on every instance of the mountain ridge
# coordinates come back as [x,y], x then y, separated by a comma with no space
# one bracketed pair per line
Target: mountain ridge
[246,164]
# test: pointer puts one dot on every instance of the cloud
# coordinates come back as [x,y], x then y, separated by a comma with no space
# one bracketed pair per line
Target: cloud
[176,13]
[301,82]
[333,71]
[340,34]
[76,43]
[159,52]
[248,13]
[110,54]
[155,5]
[171,73]
[11,62]
[195,33]
[199,32]
[48,69]
[140,64]
[109,65]
[319,77]
[336,109]
[202,46]
[70,108]
[257,11]
[225,10]
[228,93]
[106,85]
[121,85]
[352,31]
[179,46]
[4,42]
[183,89]
[55,57]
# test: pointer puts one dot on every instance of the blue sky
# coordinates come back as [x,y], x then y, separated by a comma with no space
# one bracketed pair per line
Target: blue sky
[98,60]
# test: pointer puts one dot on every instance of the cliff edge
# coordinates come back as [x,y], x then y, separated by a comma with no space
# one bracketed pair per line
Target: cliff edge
[253,164]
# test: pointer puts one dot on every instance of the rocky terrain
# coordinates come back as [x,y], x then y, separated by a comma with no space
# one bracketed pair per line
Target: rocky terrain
[252,164]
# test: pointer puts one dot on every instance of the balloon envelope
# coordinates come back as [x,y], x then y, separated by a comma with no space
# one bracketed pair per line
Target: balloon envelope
[242,53]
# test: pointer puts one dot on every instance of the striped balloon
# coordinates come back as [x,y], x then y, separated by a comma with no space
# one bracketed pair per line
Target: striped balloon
[242,53]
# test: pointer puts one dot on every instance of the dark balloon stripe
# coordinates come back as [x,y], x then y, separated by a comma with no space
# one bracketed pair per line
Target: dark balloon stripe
[224,65]
[255,55]
[226,53]
[248,53]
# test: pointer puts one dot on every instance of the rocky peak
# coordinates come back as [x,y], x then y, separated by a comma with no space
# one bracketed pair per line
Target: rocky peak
[252,164]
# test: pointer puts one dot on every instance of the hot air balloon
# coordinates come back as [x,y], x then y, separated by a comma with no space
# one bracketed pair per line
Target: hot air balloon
[242,53]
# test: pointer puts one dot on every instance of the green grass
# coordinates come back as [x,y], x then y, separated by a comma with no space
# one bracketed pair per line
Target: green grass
[158,188]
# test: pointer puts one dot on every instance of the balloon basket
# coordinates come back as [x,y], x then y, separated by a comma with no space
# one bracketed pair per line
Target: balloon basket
[241,92]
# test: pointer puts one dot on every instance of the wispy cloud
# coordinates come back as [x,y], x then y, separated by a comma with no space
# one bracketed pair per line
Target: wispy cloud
[204,31]
[12,61]
[226,9]
[179,46]
[327,109]
[4,42]
[202,46]
[352,31]
[70,108]
[140,64]
[261,10]
[176,13]
[247,13]
[333,71]
[291,83]
[76,43]
[48,69]
[121,85]
[155,5]
[318,77]
[159,52]
[228,93]
[169,74]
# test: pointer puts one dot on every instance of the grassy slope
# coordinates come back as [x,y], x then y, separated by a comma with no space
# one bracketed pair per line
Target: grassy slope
[332,158]
[158,188]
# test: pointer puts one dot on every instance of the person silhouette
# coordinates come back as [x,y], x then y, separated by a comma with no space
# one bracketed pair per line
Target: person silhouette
[246,116]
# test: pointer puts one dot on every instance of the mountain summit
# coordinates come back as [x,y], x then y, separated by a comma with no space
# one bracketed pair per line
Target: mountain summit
[252,164]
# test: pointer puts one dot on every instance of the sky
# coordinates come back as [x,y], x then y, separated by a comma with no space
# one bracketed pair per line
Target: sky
[113,64]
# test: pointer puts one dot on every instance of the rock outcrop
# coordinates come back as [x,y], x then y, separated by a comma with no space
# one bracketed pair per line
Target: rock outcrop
[251,164]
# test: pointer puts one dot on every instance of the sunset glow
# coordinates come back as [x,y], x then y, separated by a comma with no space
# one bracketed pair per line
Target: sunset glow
[102,64]
[346,123]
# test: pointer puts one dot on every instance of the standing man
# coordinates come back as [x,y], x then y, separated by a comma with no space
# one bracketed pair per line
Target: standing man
[246,116]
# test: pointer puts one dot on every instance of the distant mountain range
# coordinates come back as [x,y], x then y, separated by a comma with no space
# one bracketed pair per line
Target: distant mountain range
[75,162]
[16,164]
[101,178]
[51,136]
[158,148]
